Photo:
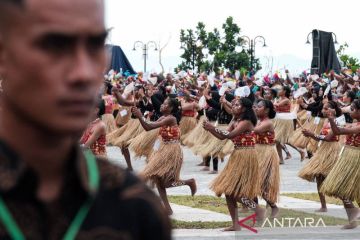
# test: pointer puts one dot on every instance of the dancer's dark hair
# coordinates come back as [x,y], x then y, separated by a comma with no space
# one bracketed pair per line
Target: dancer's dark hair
[269,105]
[249,113]
[175,108]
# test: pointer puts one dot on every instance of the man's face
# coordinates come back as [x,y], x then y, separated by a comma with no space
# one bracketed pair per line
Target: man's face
[52,60]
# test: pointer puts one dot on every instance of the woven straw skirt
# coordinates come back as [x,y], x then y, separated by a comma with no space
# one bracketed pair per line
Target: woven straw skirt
[187,124]
[322,162]
[240,177]
[343,180]
[284,129]
[133,129]
[269,172]
[142,145]
[165,163]
[109,121]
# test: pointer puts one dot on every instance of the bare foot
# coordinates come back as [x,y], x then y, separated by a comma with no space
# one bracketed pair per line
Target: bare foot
[205,169]
[213,172]
[321,210]
[232,228]
[354,214]
[260,213]
[192,185]
[351,225]
[288,156]
[274,212]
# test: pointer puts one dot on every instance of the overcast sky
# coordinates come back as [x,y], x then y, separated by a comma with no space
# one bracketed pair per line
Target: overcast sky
[284,24]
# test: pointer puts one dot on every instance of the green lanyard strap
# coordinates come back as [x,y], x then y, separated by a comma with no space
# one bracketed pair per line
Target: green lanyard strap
[94,179]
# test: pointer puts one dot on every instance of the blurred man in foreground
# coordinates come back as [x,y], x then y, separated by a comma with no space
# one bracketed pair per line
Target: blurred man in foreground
[52,59]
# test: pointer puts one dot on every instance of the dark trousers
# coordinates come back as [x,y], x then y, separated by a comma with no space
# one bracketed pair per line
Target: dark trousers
[215,162]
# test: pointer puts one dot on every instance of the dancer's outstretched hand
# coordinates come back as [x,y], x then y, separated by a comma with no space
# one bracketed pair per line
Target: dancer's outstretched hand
[207,125]
[137,113]
[307,133]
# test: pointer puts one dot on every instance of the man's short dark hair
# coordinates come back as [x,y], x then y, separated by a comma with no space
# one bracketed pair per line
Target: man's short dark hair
[4,8]
[16,2]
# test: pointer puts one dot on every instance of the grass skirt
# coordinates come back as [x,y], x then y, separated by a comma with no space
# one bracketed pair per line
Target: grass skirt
[227,149]
[298,139]
[212,146]
[269,174]
[143,144]
[302,116]
[203,139]
[343,180]
[193,136]
[133,129]
[313,144]
[186,125]
[165,163]
[109,121]
[322,162]
[122,120]
[240,177]
[111,137]
[284,129]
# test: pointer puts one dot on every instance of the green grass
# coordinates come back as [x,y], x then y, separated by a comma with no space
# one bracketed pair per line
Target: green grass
[219,205]
[198,225]
[313,197]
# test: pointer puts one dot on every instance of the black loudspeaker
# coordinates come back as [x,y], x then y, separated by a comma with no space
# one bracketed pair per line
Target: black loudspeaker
[324,54]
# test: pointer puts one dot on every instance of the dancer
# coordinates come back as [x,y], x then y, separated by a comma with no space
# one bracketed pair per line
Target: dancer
[142,145]
[108,117]
[239,180]
[188,121]
[316,122]
[319,165]
[165,164]
[122,136]
[211,148]
[344,179]
[284,127]
[94,136]
[267,155]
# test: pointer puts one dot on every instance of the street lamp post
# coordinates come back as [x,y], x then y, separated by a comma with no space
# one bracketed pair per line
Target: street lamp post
[145,48]
[252,45]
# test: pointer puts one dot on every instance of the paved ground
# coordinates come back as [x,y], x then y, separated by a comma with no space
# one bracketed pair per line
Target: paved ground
[269,234]
[289,183]
[289,180]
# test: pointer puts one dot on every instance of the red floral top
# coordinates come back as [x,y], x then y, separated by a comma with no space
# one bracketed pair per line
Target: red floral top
[170,133]
[188,113]
[109,104]
[247,139]
[267,138]
[353,140]
[283,109]
[325,131]
[98,148]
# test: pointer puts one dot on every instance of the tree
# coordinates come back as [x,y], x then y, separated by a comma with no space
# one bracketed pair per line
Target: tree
[193,43]
[346,60]
[221,46]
